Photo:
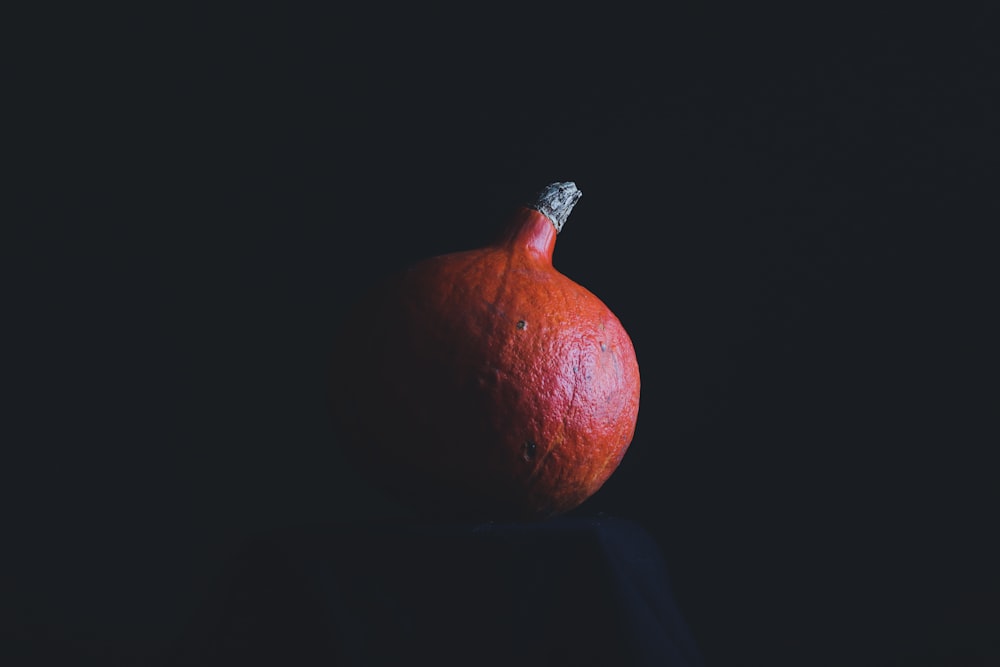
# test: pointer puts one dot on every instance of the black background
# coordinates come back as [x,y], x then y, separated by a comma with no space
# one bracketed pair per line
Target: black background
[788,210]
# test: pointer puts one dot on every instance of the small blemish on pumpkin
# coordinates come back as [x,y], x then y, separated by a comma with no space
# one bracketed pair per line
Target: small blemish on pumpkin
[521,324]
[528,451]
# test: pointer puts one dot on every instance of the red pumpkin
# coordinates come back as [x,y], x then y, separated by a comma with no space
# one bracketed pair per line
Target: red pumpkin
[486,384]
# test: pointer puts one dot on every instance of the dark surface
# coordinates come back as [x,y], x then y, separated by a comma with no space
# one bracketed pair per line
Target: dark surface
[790,211]
[566,592]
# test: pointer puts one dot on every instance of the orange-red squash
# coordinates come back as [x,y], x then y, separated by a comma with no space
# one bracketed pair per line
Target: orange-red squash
[485,384]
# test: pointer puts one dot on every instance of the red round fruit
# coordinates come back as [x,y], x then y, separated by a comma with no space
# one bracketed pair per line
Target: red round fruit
[486,383]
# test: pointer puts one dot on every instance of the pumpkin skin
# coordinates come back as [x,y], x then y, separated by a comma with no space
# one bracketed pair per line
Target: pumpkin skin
[485,384]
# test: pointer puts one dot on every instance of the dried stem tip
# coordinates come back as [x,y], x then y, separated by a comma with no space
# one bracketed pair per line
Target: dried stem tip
[556,201]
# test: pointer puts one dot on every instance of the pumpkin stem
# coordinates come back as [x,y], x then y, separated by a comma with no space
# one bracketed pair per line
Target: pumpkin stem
[555,201]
